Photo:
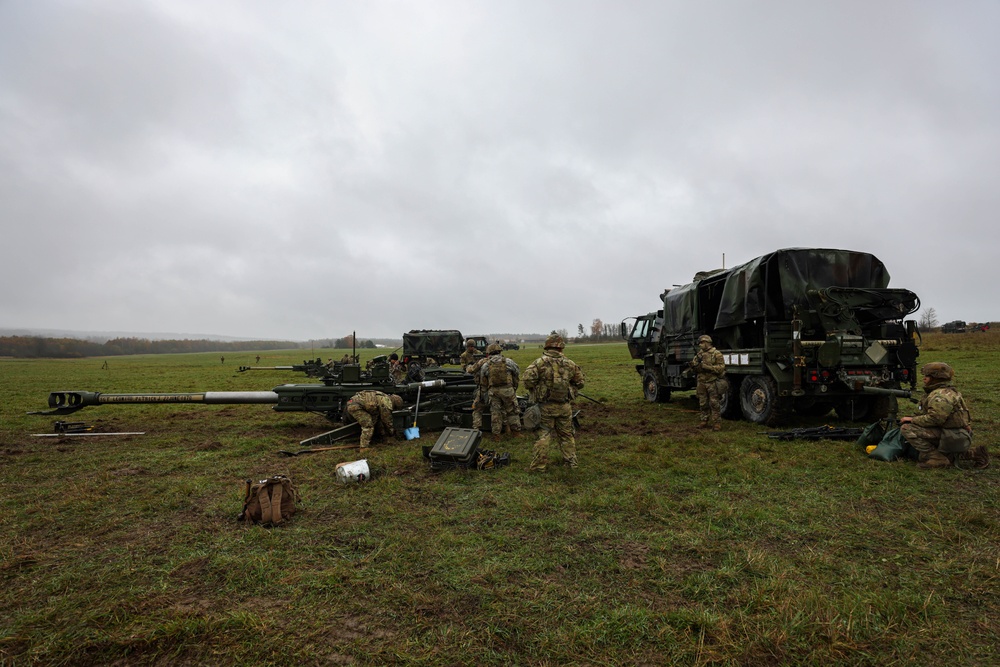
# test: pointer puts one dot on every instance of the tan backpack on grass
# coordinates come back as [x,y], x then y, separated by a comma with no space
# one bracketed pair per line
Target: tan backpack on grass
[270,501]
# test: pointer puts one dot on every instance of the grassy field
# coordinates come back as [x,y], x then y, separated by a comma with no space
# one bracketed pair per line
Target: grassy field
[667,546]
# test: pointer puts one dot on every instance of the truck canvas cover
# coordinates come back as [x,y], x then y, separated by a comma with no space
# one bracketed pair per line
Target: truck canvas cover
[770,286]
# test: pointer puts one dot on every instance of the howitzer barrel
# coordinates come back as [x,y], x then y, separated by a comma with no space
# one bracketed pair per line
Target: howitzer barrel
[70,401]
[287,397]
[242,369]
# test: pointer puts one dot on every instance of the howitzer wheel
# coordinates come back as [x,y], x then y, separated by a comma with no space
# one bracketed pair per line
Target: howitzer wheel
[652,390]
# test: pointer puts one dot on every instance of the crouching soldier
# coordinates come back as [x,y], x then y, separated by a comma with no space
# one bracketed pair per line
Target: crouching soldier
[373,411]
[942,431]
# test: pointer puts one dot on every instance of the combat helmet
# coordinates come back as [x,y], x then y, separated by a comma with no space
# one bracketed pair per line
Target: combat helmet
[470,343]
[554,341]
[938,370]
[397,401]
[705,338]
[494,348]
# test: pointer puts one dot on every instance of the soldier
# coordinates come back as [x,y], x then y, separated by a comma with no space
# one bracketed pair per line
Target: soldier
[943,429]
[712,383]
[373,410]
[554,381]
[396,369]
[481,396]
[346,359]
[469,356]
[500,375]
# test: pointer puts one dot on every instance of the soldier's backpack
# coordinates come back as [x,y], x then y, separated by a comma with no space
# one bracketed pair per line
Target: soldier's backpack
[555,381]
[498,373]
[270,501]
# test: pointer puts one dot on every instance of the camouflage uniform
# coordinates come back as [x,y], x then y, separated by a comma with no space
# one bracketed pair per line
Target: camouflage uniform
[396,369]
[554,381]
[469,356]
[373,409]
[503,392]
[711,370]
[943,429]
[481,397]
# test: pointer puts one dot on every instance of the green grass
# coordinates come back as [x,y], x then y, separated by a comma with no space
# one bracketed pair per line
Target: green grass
[667,546]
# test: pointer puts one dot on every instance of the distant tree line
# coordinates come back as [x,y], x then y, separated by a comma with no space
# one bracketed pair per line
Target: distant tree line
[600,332]
[29,347]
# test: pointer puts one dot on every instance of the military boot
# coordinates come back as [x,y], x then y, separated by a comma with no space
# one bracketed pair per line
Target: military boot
[703,425]
[933,459]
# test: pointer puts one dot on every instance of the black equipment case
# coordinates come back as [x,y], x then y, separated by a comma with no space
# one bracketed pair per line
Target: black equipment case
[455,448]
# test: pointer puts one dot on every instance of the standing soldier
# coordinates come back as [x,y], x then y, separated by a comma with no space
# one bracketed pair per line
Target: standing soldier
[500,375]
[469,356]
[481,396]
[396,369]
[373,410]
[943,429]
[554,381]
[712,383]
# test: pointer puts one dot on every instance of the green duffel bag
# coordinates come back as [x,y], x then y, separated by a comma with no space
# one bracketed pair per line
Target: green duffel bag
[892,446]
[872,435]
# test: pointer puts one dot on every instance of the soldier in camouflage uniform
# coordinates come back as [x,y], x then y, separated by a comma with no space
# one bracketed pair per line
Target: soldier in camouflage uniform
[481,397]
[943,429]
[711,369]
[396,369]
[500,375]
[373,410]
[469,356]
[554,381]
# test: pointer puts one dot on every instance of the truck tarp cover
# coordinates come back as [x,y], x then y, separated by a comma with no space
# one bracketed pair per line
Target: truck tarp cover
[768,287]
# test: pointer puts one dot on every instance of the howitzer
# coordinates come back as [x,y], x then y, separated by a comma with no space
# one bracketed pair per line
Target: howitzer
[449,396]
[315,369]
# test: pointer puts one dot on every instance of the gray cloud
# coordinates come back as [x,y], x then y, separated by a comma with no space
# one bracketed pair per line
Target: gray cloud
[300,170]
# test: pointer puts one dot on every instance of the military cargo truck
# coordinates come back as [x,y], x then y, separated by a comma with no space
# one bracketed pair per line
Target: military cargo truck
[443,346]
[807,330]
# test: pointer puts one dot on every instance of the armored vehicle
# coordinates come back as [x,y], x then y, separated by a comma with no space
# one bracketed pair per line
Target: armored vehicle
[801,329]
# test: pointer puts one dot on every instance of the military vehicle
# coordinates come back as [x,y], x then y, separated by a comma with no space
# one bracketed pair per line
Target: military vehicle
[956,326]
[801,329]
[481,344]
[443,346]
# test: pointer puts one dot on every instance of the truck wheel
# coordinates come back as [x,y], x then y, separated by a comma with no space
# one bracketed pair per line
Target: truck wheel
[759,399]
[652,390]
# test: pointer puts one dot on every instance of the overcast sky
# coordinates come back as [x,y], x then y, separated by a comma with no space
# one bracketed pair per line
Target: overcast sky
[301,170]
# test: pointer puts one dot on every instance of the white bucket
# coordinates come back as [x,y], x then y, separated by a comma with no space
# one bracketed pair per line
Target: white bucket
[353,471]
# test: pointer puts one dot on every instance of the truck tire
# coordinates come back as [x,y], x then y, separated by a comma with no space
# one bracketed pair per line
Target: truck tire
[652,390]
[759,400]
